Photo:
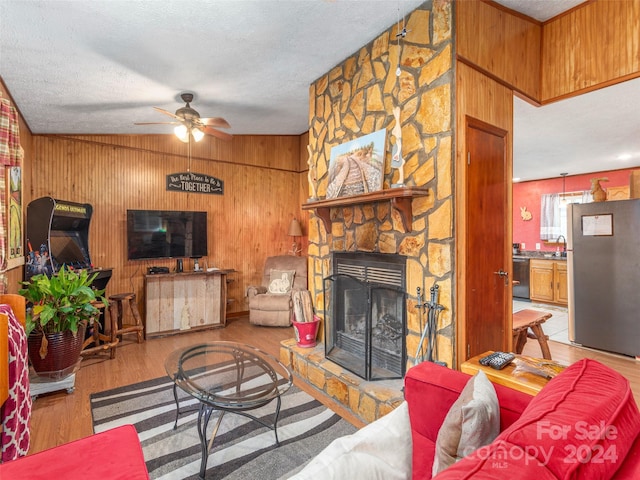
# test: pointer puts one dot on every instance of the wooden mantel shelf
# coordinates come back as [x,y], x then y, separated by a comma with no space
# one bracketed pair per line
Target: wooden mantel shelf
[400,199]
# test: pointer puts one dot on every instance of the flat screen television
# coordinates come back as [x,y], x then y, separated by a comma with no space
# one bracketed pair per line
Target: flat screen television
[166,234]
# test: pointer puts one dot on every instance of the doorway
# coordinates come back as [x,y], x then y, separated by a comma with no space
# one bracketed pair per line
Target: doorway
[487,323]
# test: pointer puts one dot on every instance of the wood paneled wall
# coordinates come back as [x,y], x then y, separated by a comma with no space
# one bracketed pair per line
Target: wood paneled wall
[484,99]
[114,173]
[502,45]
[594,45]
[304,193]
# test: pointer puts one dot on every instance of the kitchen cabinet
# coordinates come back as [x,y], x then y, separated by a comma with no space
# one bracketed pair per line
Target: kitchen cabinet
[618,193]
[561,283]
[548,281]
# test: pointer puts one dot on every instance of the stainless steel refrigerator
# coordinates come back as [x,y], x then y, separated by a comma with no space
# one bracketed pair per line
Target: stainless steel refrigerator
[603,264]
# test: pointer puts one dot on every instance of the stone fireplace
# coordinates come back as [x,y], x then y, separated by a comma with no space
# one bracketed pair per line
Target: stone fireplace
[355,98]
[366,322]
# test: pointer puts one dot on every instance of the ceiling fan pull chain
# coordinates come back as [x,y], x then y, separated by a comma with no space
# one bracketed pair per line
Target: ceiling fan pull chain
[189,159]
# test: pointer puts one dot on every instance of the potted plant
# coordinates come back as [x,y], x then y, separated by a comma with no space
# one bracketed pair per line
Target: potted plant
[63,305]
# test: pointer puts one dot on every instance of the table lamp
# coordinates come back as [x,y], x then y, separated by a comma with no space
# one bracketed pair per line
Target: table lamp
[295,230]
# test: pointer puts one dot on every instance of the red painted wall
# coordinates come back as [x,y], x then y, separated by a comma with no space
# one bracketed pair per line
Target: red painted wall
[527,194]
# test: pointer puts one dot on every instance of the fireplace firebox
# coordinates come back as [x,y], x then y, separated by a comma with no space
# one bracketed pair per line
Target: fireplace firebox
[366,314]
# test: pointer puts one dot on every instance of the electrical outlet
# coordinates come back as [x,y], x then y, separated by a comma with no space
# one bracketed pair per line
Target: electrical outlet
[522,247]
[537,246]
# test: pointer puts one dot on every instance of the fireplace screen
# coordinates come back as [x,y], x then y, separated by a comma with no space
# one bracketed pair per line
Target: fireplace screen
[366,326]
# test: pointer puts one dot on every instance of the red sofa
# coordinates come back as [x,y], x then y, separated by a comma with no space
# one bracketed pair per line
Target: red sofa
[115,454]
[584,424]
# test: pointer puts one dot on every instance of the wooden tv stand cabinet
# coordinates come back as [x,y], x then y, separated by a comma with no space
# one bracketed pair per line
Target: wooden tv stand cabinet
[184,302]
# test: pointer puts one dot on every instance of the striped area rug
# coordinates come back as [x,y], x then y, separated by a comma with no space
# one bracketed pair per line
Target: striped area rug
[243,449]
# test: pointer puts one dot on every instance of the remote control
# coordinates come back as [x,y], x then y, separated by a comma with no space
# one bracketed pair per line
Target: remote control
[497,360]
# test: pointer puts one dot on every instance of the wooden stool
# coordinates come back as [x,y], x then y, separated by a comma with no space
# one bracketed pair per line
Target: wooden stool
[123,328]
[101,342]
[530,319]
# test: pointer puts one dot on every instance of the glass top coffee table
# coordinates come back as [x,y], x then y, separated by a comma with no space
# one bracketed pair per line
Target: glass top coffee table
[227,377]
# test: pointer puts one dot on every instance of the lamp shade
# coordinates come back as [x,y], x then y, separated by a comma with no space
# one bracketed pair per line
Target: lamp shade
[295,230]
[197,134]
[182,133]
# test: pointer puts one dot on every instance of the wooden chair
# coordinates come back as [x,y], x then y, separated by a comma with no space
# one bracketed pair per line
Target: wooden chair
[19,306]
[123,328]
[100,342]
[4,359]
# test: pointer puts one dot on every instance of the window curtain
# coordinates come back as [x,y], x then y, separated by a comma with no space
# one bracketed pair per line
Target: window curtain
[550,222]
[10,155]
[553,214]
[579,197]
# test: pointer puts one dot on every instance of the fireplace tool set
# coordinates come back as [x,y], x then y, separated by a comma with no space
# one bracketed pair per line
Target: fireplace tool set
[430,327]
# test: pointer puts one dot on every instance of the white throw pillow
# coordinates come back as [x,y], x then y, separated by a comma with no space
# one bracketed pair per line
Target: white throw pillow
[472,422]
[381,450]
[281,281]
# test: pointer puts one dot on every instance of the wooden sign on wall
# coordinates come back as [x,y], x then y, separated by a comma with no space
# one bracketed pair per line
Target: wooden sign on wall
[190,182]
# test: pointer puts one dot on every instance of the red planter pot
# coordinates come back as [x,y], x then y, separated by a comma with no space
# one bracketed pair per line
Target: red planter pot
[63,353]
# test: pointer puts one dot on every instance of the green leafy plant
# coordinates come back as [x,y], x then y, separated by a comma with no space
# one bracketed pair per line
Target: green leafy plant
[61,302]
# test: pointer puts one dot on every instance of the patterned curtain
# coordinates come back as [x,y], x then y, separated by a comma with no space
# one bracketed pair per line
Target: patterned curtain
[10,155]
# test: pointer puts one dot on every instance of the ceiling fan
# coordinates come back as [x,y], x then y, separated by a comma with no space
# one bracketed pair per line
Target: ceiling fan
[189,122]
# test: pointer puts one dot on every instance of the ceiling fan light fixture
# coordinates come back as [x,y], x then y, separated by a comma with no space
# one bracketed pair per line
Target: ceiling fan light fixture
[197,134]
[182,133]
[190,124]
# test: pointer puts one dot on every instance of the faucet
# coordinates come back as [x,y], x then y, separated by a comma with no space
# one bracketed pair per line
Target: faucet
[564,244]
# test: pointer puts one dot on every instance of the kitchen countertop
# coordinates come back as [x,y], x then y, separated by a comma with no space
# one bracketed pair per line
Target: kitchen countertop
[538,255]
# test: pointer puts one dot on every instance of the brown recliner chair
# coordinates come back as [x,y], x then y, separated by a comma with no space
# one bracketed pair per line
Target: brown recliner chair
[270,304]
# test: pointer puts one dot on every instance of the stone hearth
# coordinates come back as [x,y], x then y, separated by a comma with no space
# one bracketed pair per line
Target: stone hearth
[365,399]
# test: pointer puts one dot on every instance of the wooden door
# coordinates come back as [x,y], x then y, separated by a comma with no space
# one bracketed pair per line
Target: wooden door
[488,245]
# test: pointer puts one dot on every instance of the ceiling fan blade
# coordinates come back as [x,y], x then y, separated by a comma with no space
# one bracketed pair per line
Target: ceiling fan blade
[217,133]
[166,112]
[157,123]
[215,122]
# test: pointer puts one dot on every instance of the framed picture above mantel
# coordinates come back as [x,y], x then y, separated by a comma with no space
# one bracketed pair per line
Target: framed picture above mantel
[357,167]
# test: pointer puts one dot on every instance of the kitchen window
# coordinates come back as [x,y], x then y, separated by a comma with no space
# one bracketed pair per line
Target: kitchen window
[553,213]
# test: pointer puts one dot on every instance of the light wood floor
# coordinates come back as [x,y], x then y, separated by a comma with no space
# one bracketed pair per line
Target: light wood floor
[568,354]
[60,417]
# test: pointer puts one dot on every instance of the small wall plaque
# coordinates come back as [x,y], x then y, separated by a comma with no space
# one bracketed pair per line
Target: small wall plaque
[191,182]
